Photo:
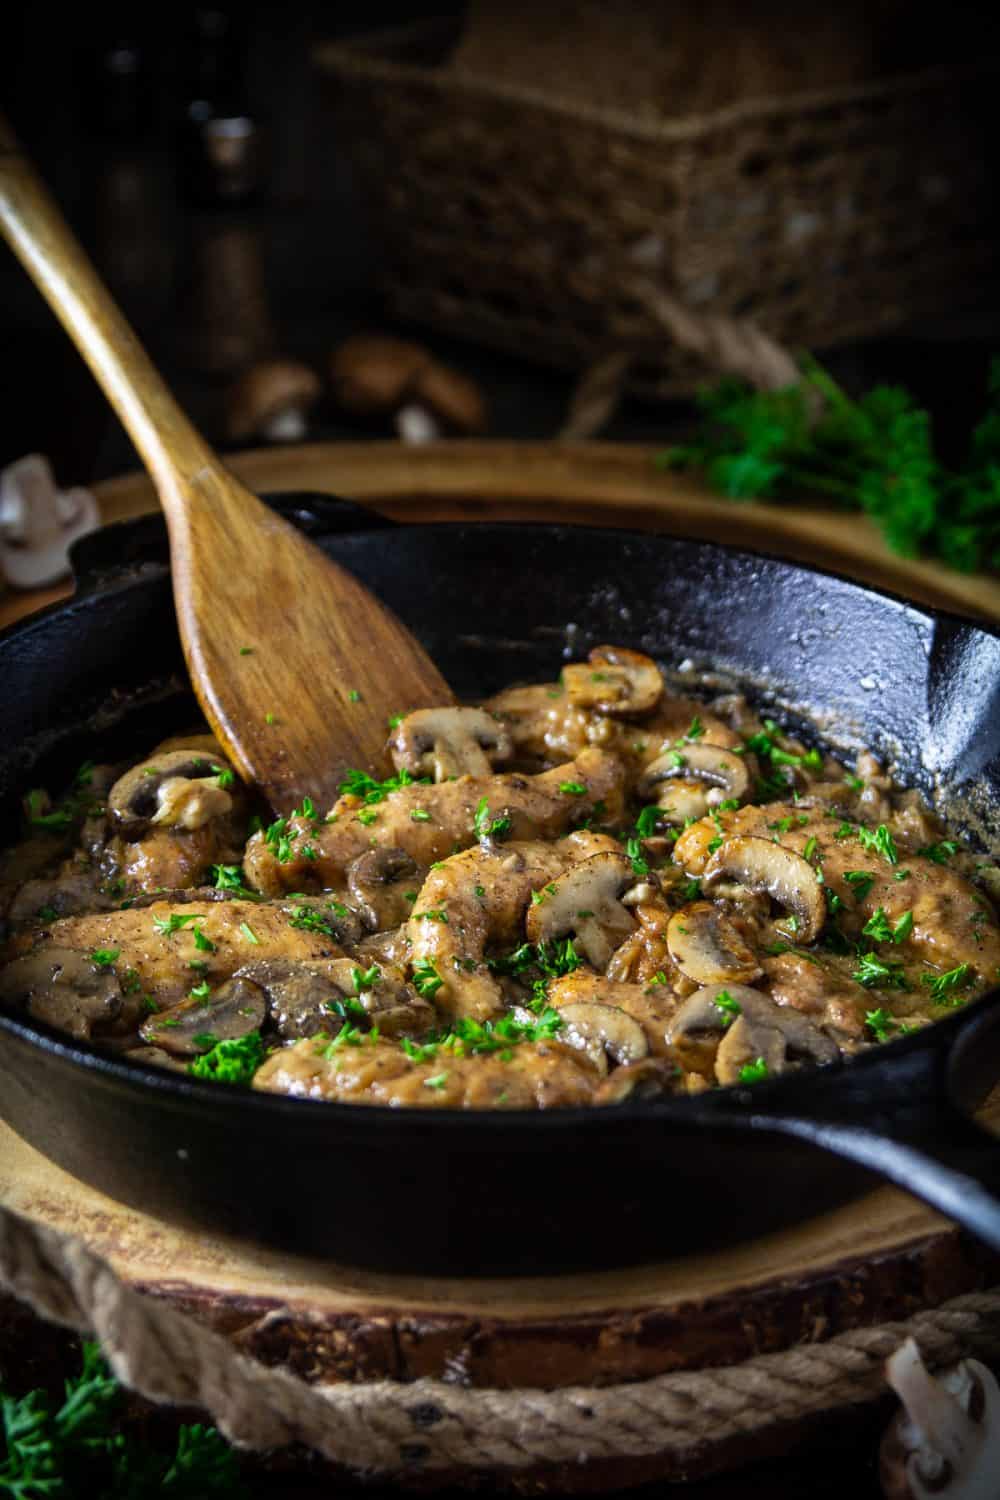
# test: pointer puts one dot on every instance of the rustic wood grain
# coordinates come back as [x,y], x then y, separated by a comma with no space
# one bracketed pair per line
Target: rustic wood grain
[880,1257]
[595,484]
[325,664]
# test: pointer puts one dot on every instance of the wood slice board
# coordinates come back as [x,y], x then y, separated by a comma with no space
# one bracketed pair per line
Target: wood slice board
[590,483]
[881,1257]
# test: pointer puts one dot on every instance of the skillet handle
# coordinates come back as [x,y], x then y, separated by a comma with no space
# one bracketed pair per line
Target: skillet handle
[951,1162]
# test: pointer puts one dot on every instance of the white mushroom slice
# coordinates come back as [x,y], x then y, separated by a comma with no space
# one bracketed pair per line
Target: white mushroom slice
[178,788]
[702,1013]
[946,1440]
[190,804]
[708,947]
[746,1043]
[587,902]
[726,773]
[785,876]
[773,1034]
[450,742]
[601,1031]
[651,1078]
[616,681]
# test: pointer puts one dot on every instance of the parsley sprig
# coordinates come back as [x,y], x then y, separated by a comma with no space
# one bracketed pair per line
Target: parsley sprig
[874,454]
[74,1449]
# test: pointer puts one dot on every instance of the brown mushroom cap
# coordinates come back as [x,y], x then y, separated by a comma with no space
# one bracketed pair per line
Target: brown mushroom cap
[135,800]
[586,900]
[372,374]
[708,947]
[450,741]
[600,1031]
[726,772]
[785,876]
[266,391]
[614,681]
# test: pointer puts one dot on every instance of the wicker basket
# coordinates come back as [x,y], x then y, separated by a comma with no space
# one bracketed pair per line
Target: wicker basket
[543,228]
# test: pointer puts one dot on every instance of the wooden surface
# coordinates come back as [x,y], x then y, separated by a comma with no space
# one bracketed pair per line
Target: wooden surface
[276,635]
[881,1257]
[589,483]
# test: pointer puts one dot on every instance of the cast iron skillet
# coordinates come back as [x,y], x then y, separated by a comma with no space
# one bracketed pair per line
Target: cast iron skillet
[500,1193]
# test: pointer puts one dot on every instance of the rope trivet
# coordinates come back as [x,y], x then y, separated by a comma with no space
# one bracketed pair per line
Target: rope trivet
[387,1426]
[728,346]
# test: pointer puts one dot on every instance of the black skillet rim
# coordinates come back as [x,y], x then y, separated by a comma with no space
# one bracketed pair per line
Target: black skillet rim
[707,1109]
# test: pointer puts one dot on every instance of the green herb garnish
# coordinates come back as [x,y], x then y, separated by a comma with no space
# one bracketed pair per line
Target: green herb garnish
[232,1061]
[103,958]
[875,454]
[943,986]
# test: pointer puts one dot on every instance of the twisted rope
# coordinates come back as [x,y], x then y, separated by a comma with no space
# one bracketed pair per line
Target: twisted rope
[729,346]
[384,1426]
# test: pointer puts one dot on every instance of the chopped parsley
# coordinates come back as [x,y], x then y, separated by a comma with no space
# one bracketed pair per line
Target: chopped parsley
[943,986]
[633,848]
[880,1023]
[861,881]
[433,914]
[249,933]
[279,839]
[437,1082]
[308,919]
[873,973]
[360,784]
[420,815]
[487,827]
[941,852]
[695,729]
[573,788]
[103,958]
[224,777]
[175,922]
[879,841]
[729,1007]
[202,992]
[879,927]
[354,696]
[232,1061]
[647,822]
[365,979]
[426,979]
[754,1072]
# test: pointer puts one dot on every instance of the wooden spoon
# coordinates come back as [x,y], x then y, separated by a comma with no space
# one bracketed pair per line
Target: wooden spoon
[296,666]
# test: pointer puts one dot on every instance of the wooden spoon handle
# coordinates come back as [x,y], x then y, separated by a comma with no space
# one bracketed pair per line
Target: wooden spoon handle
[168,444]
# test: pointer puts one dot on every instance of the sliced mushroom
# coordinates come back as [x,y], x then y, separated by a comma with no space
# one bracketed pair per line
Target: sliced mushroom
[772,1033]
[234,1010]
[946,1440]
[587,902]
[763,866]
[177,789]
[450,742]
[708,947]
[725,771]
[763,1030]
[373,881]
[67,989]
[651,1078]
[602,1031]
[616,681]
[701,1014]
[300,997]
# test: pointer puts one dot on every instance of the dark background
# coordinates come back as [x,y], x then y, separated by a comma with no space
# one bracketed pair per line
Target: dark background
[111,140]
[101,99]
